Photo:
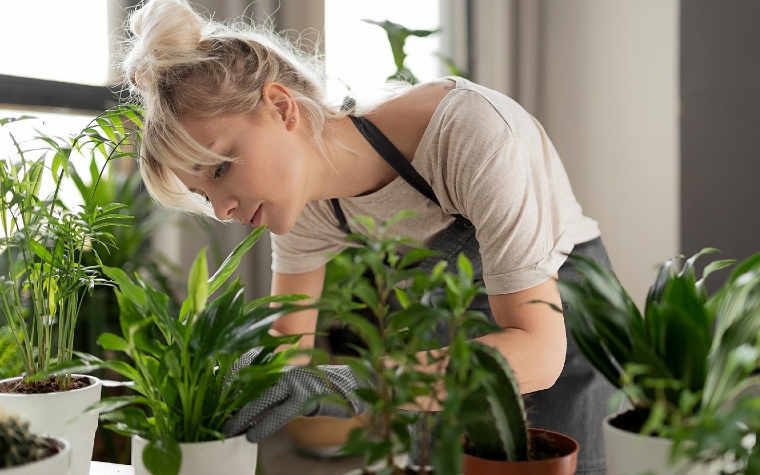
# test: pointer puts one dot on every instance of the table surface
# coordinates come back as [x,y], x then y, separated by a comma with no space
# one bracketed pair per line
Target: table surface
[103,468]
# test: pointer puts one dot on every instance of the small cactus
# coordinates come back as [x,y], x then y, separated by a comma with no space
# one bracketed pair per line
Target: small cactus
[18,446]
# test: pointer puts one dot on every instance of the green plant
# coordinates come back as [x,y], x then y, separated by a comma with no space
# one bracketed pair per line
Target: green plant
[19,446]
[415,314]
[43,239]
[10,361]
[397,36]
[182,370]
[493,415]
[685,360]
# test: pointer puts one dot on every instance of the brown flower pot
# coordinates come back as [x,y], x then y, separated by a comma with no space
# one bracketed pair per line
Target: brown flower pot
[564,463]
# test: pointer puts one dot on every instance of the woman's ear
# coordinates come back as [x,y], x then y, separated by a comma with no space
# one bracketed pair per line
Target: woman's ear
[281,101]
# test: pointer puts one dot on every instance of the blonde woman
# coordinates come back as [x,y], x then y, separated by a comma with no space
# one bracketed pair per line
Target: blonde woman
[237,127]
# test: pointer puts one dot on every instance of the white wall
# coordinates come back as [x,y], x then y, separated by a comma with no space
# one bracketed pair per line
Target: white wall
[610,102]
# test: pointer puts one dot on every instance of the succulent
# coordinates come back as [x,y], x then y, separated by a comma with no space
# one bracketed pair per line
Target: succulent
[19,446]
[494,417]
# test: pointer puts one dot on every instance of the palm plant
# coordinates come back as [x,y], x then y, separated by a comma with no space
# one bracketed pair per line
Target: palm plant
[44,240]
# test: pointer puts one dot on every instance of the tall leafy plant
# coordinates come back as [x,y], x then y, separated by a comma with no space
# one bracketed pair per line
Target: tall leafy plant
[181,365]
[687,358]
[415,313]
[43,239]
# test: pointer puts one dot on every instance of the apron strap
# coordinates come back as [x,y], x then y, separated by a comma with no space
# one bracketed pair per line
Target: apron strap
[395,159]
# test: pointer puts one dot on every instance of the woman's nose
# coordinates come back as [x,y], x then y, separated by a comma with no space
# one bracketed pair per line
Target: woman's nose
[224,208]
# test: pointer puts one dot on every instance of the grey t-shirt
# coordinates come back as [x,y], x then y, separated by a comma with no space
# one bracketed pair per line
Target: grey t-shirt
[487,159]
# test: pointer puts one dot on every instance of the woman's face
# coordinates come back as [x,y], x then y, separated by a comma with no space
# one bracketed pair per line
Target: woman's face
[267,183]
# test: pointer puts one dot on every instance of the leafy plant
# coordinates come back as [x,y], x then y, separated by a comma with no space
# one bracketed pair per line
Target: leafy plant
[397,36]
[10,361]
[44,240]
[183,365]
[19,446]
[415,314]
[685,360]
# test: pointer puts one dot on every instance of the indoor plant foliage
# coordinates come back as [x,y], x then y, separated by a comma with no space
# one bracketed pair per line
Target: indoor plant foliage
[182,370]
[683,363]
[413,313]
[43,240]
[494,422]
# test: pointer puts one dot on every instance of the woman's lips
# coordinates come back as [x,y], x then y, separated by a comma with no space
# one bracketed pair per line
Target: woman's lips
[256,218]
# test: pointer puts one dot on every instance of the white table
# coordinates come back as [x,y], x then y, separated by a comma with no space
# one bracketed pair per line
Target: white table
[103,468]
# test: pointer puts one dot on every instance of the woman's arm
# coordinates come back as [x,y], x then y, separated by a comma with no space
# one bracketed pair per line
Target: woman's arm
[533,340]
[303,322]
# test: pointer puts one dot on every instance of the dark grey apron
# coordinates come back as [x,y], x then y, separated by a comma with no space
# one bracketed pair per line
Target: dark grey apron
[579,400]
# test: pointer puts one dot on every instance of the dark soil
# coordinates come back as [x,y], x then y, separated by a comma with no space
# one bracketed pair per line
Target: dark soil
[543,447]
[630,421]
[50,385]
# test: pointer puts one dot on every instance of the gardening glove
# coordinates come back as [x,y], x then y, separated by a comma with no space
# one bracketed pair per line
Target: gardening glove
[294,395]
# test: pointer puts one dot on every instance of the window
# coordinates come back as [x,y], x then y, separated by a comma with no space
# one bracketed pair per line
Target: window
[358,55]
[55,40]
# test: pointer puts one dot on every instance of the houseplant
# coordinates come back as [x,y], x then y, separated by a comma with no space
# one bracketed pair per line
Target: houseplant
[466,389]
[401,331]
[681,363]
[44,278]
[184,370]
[23,452]
[497,439]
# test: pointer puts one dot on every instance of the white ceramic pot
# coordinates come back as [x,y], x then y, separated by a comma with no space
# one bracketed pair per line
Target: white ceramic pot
[629,453]
[61,414]
[233,456]
[59,464]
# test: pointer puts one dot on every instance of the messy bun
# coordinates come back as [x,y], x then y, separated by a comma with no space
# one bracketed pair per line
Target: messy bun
[165,33]
[175,63]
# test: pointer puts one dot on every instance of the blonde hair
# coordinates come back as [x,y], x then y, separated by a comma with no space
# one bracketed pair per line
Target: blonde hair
[178,63]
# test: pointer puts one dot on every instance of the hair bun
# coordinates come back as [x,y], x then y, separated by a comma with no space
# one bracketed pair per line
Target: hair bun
[165,33]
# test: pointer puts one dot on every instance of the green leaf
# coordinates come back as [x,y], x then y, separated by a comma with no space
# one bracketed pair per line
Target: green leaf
[162,457]
[232,261]
[197,284]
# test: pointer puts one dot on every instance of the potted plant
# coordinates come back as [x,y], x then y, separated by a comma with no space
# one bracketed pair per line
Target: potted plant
[497,439]
[681,364]
[23,452]
[465,390]
[44,278]
[185,369]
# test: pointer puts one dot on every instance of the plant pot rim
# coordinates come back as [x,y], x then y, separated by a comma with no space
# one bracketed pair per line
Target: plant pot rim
[94,382]
[198,444]
[607,423]
[573,453]
[64,447]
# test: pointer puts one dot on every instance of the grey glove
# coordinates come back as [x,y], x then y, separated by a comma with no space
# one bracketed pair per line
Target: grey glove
[291,395]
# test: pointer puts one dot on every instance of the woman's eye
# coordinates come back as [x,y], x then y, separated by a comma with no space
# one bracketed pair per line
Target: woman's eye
[221,169]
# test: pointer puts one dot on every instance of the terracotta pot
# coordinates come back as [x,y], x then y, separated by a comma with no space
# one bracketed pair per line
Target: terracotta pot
[562,465]
[58,463]
[322,437]
[61,414]
[630,453]
[233,456]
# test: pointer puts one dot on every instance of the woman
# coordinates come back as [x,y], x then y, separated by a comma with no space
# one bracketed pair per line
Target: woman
[237,127]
